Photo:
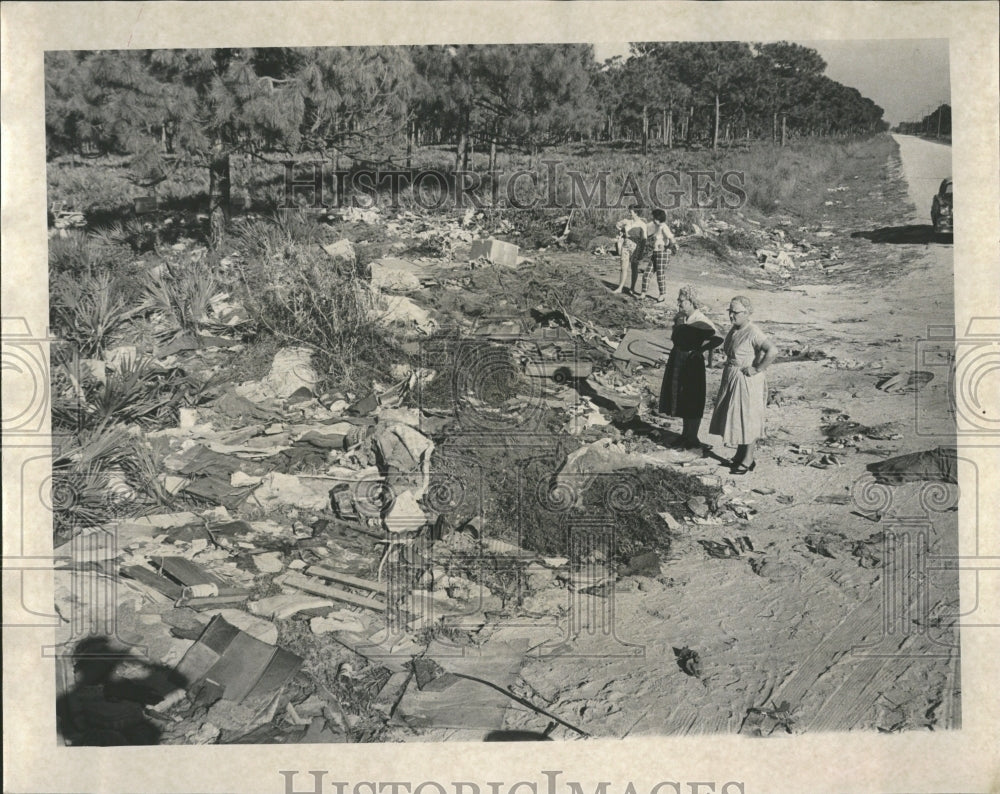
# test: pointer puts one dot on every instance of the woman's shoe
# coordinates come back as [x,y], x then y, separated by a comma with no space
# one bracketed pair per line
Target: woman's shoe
[743,469]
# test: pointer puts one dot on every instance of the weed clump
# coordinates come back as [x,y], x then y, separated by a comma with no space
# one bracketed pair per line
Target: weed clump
[295,293]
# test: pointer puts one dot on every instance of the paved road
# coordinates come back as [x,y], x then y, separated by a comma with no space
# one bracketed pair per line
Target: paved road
[925,164]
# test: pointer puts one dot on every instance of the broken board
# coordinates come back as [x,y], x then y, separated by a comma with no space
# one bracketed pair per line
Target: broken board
[314,586]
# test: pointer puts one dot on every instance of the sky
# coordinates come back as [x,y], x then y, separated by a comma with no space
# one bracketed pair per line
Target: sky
[908,78]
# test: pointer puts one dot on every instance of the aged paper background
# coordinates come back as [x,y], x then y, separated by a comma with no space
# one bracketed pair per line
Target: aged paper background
[964,760]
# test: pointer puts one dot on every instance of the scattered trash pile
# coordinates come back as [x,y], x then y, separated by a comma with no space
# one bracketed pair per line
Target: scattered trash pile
[311,562]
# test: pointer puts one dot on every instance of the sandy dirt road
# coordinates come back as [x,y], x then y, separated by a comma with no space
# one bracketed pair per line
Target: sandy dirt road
[924,165]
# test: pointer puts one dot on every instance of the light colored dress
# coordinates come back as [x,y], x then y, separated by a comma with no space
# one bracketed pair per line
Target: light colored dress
[741,403]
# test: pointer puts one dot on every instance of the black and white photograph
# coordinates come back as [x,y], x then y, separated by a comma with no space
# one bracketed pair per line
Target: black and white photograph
[629,387]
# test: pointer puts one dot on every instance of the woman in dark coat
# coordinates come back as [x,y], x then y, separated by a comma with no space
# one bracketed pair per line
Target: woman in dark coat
[683,391]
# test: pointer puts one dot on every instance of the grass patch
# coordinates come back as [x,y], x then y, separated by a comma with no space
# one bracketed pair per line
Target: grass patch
[297,295]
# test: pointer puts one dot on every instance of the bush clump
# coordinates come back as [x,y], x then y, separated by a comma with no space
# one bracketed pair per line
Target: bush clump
[296,293]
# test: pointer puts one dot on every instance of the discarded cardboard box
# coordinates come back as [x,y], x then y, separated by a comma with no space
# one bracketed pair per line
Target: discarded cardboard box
[496,251]
[236,665]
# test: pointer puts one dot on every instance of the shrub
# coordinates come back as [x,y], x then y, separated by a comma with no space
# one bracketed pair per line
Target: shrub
[294,293]
[180,299]
[138,392]
[100,474]
[87,312]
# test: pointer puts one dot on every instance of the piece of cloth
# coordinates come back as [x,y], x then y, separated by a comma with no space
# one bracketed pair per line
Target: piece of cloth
[938,465]
[683,391]
[742,401]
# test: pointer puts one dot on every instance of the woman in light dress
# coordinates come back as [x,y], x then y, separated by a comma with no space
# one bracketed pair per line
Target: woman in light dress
[741,403]
[630,247]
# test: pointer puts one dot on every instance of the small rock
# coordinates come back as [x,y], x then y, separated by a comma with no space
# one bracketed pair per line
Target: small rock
[539,577]
[342,250]
[647,564]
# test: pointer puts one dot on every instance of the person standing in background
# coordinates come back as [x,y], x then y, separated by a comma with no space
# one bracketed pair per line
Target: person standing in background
[662,241]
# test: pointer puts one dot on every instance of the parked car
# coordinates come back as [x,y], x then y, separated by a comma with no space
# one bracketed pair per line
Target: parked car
[941,208]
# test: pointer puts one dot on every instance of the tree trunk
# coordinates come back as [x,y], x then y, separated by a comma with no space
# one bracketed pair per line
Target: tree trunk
[460,149]
[784,128]
[670,127]
[774,128]
[219,191]
[493,155]
[409,145]
[645,130]
[715,133]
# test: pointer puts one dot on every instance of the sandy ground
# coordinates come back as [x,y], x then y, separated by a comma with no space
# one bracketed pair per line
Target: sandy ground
[796,635]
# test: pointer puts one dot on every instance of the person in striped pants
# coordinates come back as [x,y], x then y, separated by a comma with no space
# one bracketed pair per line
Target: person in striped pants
[662,241]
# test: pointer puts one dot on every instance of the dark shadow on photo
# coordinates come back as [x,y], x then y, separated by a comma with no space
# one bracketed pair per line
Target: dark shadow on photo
[916,234]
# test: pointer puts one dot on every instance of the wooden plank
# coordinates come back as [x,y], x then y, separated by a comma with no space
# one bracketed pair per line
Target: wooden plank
[214,602]
[159,583]
[344,578]
[308,585]
[388,698]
